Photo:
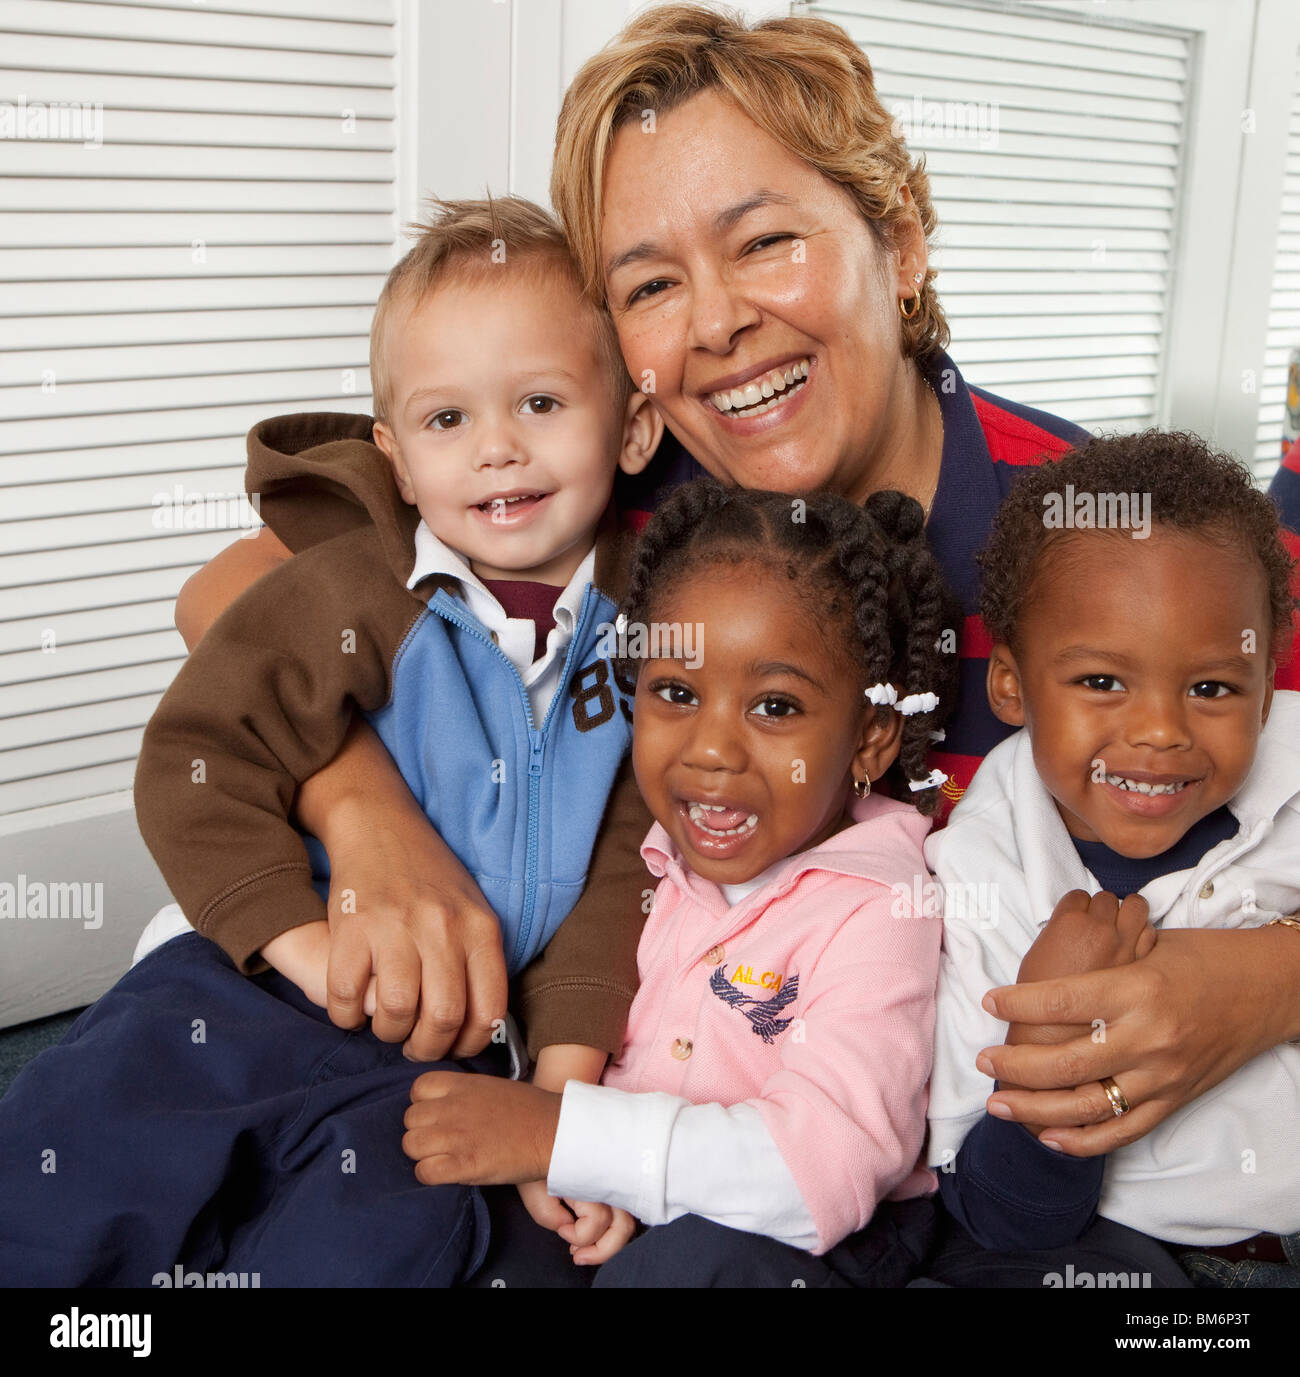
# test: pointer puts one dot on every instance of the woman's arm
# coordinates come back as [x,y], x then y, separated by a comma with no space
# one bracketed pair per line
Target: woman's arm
[1176,1024]
[402,906]
[207,593]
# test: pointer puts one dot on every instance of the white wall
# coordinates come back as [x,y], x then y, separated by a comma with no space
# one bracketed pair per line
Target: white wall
[490,76]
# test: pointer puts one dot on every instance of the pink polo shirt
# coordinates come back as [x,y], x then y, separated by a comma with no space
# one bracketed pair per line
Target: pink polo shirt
[812,1000]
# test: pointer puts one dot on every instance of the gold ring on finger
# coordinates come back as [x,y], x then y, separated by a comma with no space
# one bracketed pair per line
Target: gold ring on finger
[1116,1096]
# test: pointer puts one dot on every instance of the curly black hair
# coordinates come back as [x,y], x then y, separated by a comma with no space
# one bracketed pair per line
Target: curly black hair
[1191,487]
[869,579]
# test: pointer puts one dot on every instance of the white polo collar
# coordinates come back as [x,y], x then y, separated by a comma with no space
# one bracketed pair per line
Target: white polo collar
[433,557]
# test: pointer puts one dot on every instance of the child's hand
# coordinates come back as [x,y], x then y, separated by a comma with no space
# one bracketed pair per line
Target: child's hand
[1088,934]
[598,1233]
[1083,934]
[472,1130]
[302,955]
[545,1209]
[594,1232]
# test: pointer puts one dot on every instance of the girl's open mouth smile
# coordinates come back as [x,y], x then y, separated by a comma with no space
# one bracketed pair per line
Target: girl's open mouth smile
[717,830]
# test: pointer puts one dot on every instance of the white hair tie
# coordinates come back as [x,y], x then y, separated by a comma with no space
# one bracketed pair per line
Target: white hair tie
[882,695]
[918,702]
[932,781]
[940,735]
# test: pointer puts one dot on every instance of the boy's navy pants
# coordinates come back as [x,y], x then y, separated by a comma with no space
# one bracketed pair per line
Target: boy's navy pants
[198,1116]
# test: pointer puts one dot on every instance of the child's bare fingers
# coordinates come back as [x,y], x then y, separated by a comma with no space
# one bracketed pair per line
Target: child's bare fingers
[425,1139]
[433,1085]
[1073,901]
[619,1234]
[1145,943]
[545,1209]
[592,1221]
[1104,907]
[440,1169]
[1132,918]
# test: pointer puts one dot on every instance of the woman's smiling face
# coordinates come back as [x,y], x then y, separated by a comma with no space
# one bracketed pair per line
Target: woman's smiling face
[731,262]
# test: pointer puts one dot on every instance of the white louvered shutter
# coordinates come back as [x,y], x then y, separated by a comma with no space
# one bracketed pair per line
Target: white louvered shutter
[1283,308]
[1056,228]
[214,262]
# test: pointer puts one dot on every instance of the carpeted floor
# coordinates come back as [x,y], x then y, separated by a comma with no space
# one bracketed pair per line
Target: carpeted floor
[19,1045]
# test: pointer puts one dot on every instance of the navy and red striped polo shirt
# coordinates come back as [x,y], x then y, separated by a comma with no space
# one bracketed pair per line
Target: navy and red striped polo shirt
[1285,492]
[987,441]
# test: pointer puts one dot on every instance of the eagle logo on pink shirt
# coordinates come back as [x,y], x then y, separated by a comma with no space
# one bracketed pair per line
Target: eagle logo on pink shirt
[761,1013]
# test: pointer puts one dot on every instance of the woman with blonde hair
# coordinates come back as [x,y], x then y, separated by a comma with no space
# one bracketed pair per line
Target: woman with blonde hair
[740,201]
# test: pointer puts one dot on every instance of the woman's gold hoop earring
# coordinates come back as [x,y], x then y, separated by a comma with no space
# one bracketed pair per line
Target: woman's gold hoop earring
[902,308]
[862,787]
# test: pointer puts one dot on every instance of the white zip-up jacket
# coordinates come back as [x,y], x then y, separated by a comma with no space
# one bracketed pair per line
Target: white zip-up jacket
[1225,1166]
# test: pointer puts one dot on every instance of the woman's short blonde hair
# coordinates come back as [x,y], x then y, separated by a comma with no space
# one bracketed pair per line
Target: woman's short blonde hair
[803,81]
[474,242]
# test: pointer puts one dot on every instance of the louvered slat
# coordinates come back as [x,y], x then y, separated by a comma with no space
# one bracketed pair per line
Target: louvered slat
[214,261]
[1283,311]
[1053,143]
[186,359]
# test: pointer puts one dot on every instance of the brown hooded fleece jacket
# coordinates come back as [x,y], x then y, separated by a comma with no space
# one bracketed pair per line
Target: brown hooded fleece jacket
[266,699]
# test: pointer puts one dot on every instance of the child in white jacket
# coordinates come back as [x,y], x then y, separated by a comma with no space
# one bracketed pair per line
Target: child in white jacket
[1136,593]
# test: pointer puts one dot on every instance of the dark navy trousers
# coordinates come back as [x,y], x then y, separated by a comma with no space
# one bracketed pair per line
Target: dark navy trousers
[198,1116]
[692,1252]
[1106,1255]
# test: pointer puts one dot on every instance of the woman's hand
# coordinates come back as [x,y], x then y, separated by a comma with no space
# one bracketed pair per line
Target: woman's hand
[403,911]
[1167,1028]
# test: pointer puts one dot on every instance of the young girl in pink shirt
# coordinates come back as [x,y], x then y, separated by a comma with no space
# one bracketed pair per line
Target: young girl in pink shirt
[792,662]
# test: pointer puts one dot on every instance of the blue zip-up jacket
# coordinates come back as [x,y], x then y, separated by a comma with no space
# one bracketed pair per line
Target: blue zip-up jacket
[518,801]
[268,695]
